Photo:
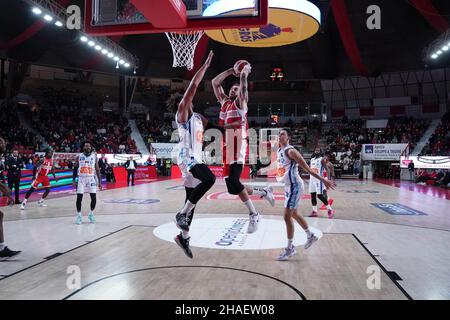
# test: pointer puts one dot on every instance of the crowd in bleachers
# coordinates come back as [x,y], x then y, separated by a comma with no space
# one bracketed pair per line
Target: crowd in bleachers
[439,142]
[155,131]
[17,137]
[67,131]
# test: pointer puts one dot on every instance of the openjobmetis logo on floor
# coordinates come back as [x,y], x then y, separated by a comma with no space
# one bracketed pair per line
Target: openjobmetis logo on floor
[234,234]
[230,233]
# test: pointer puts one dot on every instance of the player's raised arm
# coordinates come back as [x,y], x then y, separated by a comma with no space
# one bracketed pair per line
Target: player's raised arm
[217,84]
[243,89]
[297,157]
[186,101]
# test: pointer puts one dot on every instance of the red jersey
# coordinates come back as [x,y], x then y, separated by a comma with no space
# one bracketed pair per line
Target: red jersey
[45,168]
[229,113]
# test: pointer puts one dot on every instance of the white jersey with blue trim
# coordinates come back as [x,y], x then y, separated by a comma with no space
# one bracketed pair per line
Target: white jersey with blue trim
[317,167]
[287,170]
[191,141]
[86,165]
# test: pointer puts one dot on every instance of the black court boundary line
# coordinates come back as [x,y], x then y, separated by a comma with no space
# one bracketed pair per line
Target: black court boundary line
[388,273]
[60,255]
[298,292]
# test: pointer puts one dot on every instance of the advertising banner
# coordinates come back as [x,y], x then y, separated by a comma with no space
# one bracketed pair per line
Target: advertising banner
[383,152]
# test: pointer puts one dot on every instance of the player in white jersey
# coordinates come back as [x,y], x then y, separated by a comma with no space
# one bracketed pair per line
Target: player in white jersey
[88,172]
[289,159]
[191,126]
[317,189]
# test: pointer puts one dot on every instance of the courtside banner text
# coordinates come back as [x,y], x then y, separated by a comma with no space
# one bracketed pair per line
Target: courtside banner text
[426,162]
[383,152]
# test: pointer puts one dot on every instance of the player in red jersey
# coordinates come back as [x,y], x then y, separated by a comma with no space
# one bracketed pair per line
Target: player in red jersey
[40,176]
[233,118]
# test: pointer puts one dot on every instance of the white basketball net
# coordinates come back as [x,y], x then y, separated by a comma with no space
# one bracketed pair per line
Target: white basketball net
[183,47]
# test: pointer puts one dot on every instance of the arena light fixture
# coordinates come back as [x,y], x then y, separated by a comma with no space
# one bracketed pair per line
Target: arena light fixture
[434,56]
[48,18]
[83,38]
[91,43]
[37,11]
[98,48]
[110,55]
[439,52]
[58,24]
[117,65]
[104,51]
[121,61]
[116,58]
[127,65]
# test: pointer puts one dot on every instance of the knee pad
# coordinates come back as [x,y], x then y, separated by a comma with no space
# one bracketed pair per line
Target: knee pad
[234,186]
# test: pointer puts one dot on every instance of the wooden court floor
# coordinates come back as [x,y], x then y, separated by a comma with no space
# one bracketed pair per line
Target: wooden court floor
[121,258]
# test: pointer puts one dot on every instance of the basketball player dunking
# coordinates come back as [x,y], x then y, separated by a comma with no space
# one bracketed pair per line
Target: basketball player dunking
[88,173]
[317,189]
[5,252]
[198,177]
[233,118]
[40,175]
[289,159]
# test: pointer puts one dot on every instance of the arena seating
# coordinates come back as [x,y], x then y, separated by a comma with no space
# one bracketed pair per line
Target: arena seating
[439,143]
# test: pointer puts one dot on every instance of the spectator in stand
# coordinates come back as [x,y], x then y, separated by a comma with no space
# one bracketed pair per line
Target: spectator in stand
[14,165]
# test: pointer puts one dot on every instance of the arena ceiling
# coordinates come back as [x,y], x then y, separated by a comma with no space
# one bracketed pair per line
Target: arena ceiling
[407,27]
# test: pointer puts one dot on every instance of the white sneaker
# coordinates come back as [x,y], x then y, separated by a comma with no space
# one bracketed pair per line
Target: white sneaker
[253,222]
[269,195]
[311,239]
[41,203]
[286,254]
[79,219]
[22,206]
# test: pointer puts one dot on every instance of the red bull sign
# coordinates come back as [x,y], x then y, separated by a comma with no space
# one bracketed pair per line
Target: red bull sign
[290,21]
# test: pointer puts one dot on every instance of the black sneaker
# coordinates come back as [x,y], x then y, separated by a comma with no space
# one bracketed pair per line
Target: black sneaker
[184,244]
[182,221]
[6,253]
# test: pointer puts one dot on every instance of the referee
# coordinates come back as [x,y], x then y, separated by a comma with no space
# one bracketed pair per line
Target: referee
[13,165]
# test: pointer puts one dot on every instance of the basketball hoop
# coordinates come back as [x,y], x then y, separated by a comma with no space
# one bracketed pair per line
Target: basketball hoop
[183,47]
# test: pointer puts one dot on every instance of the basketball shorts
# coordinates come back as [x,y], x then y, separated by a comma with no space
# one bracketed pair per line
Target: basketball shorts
[316,186]
[293,194]
[44,180]
[87,185]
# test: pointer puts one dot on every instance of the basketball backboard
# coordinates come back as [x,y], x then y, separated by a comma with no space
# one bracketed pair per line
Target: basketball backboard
[121,17]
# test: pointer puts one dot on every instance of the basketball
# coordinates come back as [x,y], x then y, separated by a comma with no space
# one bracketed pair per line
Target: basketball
[239,65]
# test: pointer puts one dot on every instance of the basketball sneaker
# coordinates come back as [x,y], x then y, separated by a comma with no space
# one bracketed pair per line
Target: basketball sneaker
[91,217]
[311,239]
[79,219]
[22,206]
[330,214]
[182,221]
[41,203]
[313,214]
[253,222]
[287,253]
[7,253]
[184,244]
[269,195]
